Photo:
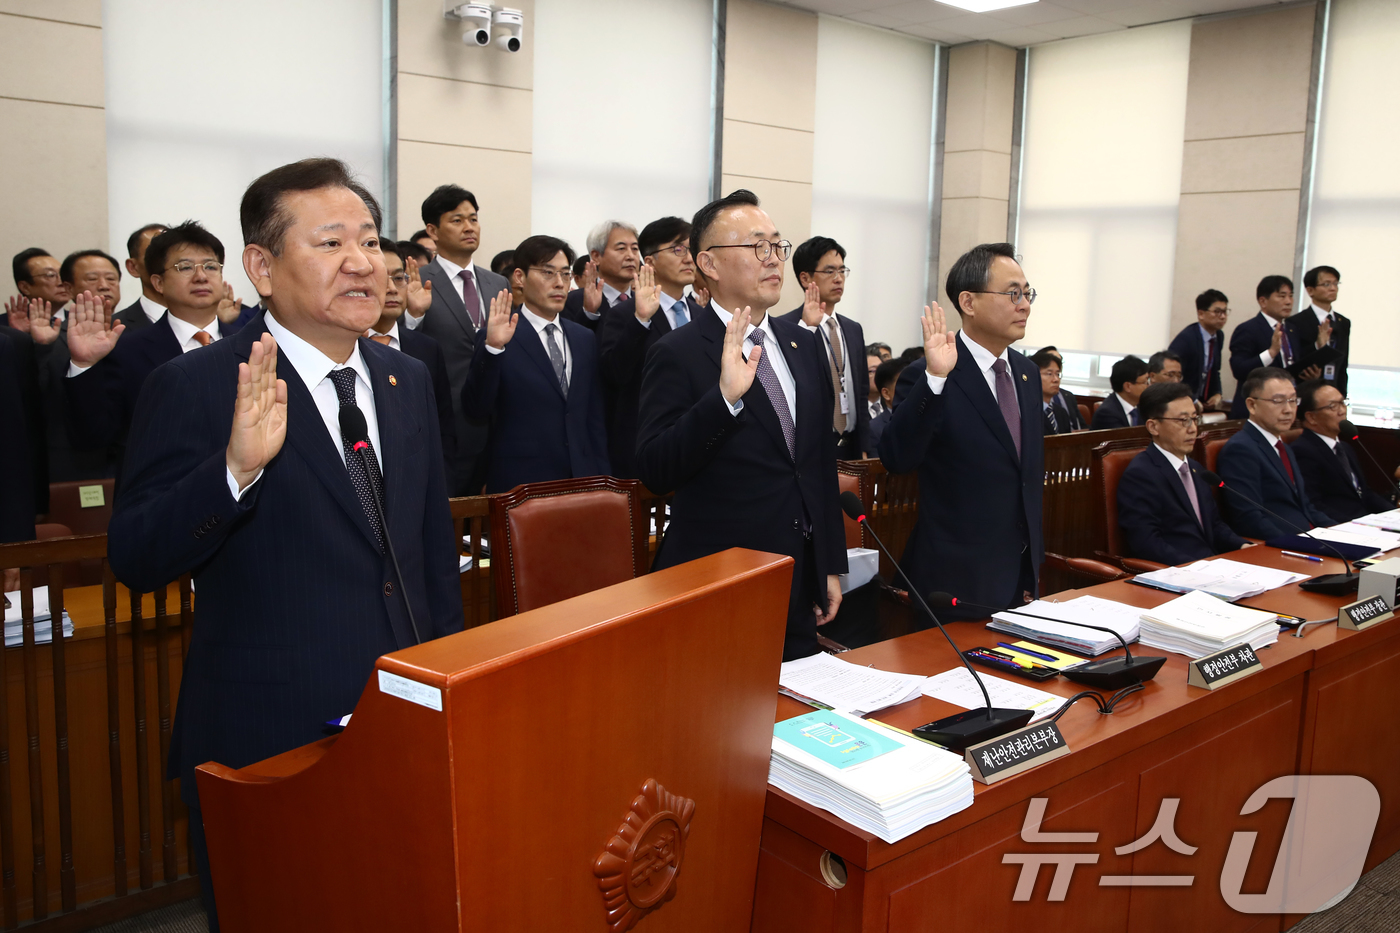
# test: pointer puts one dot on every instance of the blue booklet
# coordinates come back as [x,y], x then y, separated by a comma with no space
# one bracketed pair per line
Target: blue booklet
[836,740]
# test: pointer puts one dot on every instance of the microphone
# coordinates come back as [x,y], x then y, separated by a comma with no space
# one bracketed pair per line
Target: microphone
[1333,584]
[966,728]
[1107,674]
[356,431]
[1350,432]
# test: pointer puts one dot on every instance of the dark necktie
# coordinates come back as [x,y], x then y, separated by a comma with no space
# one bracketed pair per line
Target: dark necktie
[1287,466]
[1008,403]
[344,380]
[470,298]
[1346,468]
[774,390]
[556,357]
[1286,348]
[1133,418]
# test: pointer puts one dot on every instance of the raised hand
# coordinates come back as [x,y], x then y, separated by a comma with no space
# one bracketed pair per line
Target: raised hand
[701,294]
[91,335]
[17,307]
[647,292]
[1276,344]
[735,373]
[813,308]
[420,291]
[592,288]
[229,306]
[259,414]
[42,327]
[1324,333]
[940,344]
[500,323]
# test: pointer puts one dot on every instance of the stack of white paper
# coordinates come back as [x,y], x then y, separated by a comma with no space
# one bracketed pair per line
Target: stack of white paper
[845,686]
[1358,533]
[1386,521]
[1198,624]
[904,785]
[43,619]
[956,686]
[1090,610]
[1227,579]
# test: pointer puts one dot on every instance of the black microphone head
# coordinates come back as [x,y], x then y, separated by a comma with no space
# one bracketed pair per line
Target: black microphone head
[852,506]
[1348,430]
[941,600]
[1212,478]
[352,424]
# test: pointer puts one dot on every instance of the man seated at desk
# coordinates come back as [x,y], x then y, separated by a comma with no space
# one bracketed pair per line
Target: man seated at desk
[1335,483]
[1165,509]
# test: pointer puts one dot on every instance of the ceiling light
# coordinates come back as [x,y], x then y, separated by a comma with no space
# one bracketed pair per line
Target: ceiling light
[985,6]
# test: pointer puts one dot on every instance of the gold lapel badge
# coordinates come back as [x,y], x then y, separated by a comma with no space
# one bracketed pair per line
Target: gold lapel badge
[1023,377]
[794,344]
[394,382]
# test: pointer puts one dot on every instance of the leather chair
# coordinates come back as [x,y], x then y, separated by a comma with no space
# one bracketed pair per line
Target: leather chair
[555,540]
[854,476]
[1095,571]
[1085,413]
[1108,462]
[66,508]
[1211,453]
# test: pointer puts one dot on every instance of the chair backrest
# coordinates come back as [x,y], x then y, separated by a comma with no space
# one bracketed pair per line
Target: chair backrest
[1106,468]
[1212,452]
[854,476]
[559,539]
[66,505]
[1085,414]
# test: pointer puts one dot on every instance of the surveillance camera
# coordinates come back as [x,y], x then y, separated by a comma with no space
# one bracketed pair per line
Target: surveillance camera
[476,16]
[507,27]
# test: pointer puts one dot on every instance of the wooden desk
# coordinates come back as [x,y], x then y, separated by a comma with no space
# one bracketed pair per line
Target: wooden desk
[1209,749]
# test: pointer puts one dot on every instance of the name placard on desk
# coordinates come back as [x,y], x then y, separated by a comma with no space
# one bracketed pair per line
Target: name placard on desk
[1223,667]
[1364,613]
[1015,752]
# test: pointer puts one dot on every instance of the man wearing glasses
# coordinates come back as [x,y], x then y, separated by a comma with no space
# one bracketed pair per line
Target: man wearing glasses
[820,266]
[1262,468]
[1165,510]
[735,418]
[1199,345]
[1336,485]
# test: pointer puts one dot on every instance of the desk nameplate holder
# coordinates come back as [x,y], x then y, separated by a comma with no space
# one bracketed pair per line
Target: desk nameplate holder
[1223,667]
[1364,613]
[1015,752]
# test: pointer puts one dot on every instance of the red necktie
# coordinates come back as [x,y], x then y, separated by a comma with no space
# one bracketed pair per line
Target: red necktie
[1287,466]
[202,338]
[470,298]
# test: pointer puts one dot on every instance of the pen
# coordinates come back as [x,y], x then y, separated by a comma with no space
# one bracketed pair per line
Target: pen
[1027,651]
[1304,556]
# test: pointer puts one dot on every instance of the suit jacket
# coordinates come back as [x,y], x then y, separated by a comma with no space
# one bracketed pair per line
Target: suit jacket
[734,481]
[1250,339]
[877,427]
[425,350]
[1251,466]
[448,322]
[1302,330]
[16,466]
[1329,487]
[67,460]
[979,506]
[31,405]
[855,348]
[1189,347]
[133,316]
[1109,414]
[1076,420]
[294,606]
[536,432]
[1156,517]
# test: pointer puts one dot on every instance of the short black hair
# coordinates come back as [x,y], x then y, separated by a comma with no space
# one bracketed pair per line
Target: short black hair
[133,242]
[873,349]
[423,233]
[390,248]
[20,264]
[888,371]
[418,251]
[1209,297]
[1272,283]
[1156,398]
[265,219]
[806,256]
[660,232]
[1307,393]
[538,249]
[705,218]
[579,265]
[1157,361]
[913,353]
[65,270]
[1043,357]
[973,270]
[503,262]
[1128,369]
[444,199]
[1257,377]
[188,233]
[1310,277]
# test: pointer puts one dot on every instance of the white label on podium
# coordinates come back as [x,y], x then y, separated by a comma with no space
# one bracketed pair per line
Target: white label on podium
[410,690]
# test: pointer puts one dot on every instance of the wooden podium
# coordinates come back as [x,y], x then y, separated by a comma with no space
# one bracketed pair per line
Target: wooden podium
[576,767]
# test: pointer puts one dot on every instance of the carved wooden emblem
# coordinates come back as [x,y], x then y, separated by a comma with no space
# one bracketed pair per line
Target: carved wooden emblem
[637,869]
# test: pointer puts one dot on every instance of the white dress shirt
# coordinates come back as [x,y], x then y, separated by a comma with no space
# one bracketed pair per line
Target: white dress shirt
[1173,459]
[1270,436]
[984,360]
[668,308]
[454,275]
[392,333]
[1331,442]
[771,352]
[539,324]
[154,311]
[184,336]
[1128,407]
[848,381]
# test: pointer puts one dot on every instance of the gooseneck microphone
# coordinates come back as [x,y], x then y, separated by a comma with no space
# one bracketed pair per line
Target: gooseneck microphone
[356,431]
[967,728]
[1108,674]
[1350,432]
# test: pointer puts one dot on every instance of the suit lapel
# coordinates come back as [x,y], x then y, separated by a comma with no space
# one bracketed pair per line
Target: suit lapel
[532,345]
[1271,454]
[450,292]
[1029,396]
[968,378]
[1173,480]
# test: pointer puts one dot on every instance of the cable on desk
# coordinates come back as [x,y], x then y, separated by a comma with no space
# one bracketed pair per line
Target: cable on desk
[1120,695]
[1094,694]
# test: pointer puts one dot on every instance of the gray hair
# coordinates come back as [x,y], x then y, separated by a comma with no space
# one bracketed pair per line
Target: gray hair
[598,236]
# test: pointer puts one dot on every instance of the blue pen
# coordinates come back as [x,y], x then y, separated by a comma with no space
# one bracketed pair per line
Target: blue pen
[1034,654]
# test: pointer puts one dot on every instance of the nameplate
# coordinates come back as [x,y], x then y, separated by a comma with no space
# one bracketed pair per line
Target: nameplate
[91,496]
[1223,667]
[1364,613]
[410,690]
[1015,752]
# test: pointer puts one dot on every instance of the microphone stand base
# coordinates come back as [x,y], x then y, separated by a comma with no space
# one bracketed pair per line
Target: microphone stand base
[1115,673]
[973,726]
[1332,584]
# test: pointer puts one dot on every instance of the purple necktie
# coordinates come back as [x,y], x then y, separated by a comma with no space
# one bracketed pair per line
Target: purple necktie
[774,390]
[1191,493]
[470,298]
[1008,403]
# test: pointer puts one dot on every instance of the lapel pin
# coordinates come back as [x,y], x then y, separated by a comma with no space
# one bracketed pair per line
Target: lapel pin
[394,382]
[1023,377]
[793,343]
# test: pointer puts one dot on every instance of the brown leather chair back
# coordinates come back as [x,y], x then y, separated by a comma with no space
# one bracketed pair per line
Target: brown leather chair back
[854,476]
[1085,414]
[66,506]
[1108,462]
[559,539]
[1212,452]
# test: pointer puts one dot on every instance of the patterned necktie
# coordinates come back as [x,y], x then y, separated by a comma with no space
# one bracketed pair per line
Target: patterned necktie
[556,356]
[382,339]
[1008,403]
[1052,421]
[774,390]
[1346,468]
[1287,466]
[344,380]
[1191,493]
[1286,348]
[838,367]
[470,298]
[202,338]
[678,311]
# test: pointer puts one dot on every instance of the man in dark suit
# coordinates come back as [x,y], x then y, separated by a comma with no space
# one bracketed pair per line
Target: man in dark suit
[16,466]
[1200,346]
[736,421]
[1263,340]
[614,257]
[1061,414]
[238,472]
[1164,366]
[24,362]
[820,267]
[461,293]
[658,307]
[1165,509]
[969,418]
[148,307]
[1127,378]
[1335,481]
[538,384]
[1067,398]
[1317,325]
[1261,467]
[886,375]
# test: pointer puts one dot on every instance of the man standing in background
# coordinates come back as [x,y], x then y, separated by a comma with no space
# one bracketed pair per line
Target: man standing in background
[1199,345]
[148,306]
[1318,326]
[614,258]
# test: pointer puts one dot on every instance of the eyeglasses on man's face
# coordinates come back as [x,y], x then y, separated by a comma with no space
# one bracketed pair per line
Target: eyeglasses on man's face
[1283,401]
[552,275]
[398,279]
[1015,294]
[1185,421]
[1339,406]
[762,249]
[185,267]
[680,250]
[844,271]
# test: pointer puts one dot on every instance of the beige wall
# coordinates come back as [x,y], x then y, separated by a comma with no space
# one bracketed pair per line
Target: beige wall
[770,78]
[464,117]
[54,148]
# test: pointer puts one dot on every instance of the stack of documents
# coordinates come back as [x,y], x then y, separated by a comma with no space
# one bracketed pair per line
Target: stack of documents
[43,619]
[1198,624]
[874,778]
[956,687]
[845,686]
[1386,521]
[1090,610]
[1359,533]
[1227,579]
